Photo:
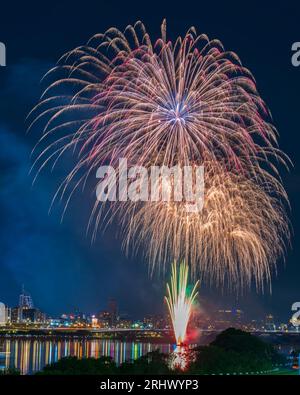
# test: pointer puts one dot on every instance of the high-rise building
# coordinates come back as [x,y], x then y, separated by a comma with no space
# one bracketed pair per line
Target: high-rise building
[269,322]
[2,314]
[25,300]
[8,314]
[16,314]
[94,321]
[33,316]
[79,316]
[113,312]
[104,319]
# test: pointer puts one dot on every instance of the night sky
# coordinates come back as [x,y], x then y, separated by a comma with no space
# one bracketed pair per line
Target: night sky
[56,261]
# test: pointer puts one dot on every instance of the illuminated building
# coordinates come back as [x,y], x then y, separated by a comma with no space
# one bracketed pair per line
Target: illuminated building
[25,300]
[113,312]
[25,312]
[137,325]
[154,321]
[283,327]
[94,321]
[33,315]
[2,314]
[109,318]
[104,319]
[8,314]
[269,323]
[124,323]
[79,317]
[16,315]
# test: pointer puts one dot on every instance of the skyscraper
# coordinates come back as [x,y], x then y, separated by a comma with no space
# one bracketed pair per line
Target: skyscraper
[113,312]
[2,314]
[269,322]
[25,300]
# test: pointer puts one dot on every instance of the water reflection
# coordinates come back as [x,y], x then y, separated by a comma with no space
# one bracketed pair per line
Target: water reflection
[180,358]
[31,355]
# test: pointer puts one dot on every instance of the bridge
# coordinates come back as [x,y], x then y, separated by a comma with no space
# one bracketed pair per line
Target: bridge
[42,330]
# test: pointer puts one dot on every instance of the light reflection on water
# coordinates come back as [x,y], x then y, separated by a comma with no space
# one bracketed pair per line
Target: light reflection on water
[31,355]
[179,358]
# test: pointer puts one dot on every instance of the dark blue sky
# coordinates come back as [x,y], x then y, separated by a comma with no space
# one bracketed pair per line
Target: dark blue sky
[56,262]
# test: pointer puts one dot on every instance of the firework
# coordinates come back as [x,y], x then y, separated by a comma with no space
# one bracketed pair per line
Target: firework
[179,302]
[121,96]
[166,104]
[183,101]
[233,240]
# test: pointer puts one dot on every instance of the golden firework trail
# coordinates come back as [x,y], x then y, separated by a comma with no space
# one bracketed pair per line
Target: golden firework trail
[179,302]
[233,240]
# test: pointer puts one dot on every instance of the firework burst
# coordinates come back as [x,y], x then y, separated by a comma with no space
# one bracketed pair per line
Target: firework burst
[166,104]
[234,239]
[162,103]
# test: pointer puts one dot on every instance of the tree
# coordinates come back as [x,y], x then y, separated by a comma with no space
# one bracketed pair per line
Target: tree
[153,362]
[10,372]
[235,351]
[75,366]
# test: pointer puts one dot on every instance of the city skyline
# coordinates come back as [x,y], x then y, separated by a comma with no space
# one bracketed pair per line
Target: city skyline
[110,312]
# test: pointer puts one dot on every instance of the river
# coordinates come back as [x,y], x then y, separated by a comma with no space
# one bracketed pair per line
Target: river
[32,354]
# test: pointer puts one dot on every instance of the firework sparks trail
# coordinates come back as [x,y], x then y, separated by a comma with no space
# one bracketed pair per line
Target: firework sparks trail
[234,239]
[179,302]
[166,104]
